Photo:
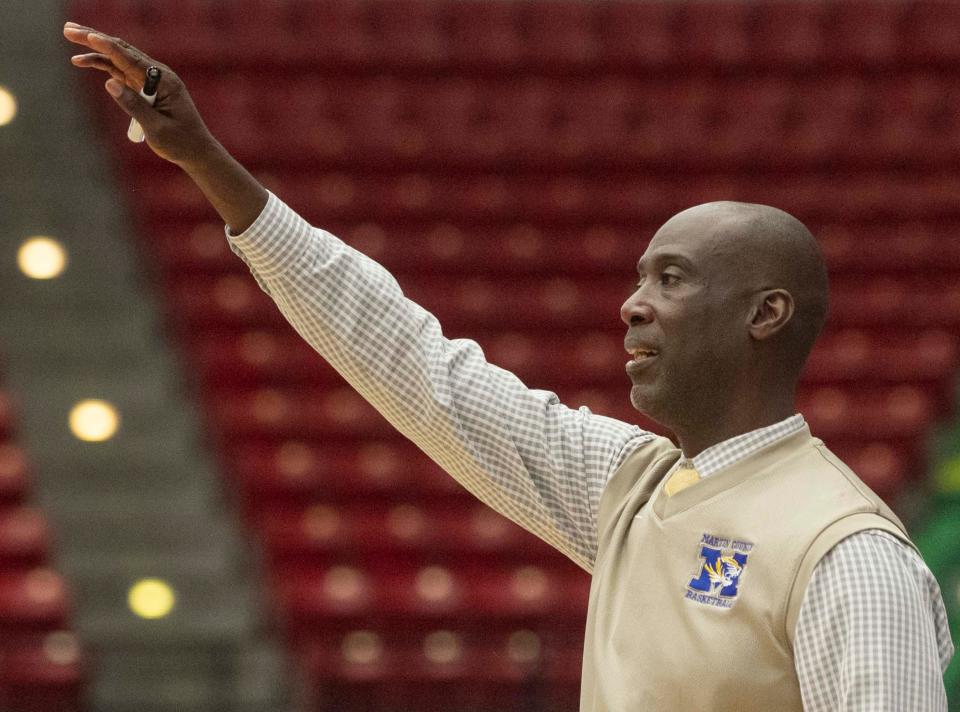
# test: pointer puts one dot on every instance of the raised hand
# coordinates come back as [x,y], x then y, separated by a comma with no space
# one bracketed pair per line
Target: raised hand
[172,126]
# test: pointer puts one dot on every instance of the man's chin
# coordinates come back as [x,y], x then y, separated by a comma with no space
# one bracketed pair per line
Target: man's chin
[644,401]
[647,405]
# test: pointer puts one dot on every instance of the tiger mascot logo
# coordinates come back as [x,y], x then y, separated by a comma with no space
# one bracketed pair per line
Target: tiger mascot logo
[723,572]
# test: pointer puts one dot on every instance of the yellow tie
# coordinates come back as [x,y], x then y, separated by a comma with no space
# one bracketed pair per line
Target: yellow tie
[680,480]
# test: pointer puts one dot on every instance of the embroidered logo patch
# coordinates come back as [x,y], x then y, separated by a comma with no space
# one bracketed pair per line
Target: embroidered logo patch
[722,562]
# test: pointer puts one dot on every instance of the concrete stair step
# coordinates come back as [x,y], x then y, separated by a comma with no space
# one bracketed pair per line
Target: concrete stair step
[210,608]
[204,678]
[109,532]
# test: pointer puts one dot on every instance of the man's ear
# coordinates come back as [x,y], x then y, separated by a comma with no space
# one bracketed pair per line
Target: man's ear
[772,310]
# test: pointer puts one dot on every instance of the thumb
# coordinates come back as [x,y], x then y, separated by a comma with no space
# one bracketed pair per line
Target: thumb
[131,102]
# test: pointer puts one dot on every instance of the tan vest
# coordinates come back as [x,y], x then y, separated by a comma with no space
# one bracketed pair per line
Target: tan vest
[695,597]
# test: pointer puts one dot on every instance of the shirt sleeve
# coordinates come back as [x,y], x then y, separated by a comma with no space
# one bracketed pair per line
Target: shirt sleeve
[520,450]
[872,633]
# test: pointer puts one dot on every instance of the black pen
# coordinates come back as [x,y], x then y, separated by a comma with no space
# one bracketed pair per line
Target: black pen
[149,92]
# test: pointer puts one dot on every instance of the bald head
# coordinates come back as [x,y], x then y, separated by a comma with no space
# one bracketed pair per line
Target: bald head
[759,248]
[730,299]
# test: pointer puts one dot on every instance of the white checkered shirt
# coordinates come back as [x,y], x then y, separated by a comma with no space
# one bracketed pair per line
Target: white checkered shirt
[872,632]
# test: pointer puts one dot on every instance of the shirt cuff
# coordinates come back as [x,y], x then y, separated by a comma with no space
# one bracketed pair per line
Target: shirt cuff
[276,239]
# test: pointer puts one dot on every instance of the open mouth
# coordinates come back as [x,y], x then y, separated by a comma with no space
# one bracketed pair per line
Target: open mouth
[641,358]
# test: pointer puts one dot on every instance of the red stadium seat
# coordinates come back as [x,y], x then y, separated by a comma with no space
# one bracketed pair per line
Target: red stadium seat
[749,123]
[639,35]
[410,32]
[7,414]
[919,117]
[900,411]
[40,662]
[826,118]
[14,473]
[284,474]
[171,195]
[327,534]
[480,600]
[229,301]
[876,302]
[334,32]
[910,247]
[437,247]
[24,538]
[791,34]
[866,33]
[259,357]
[35,600]
[882,466]
[486,34]
[434,668]
[716,34]
[928,33]
[855,355]
[559,33]
[43,673]
[194,247]
[277,414]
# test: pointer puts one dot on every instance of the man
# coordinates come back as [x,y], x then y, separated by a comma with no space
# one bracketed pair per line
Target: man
[747,570]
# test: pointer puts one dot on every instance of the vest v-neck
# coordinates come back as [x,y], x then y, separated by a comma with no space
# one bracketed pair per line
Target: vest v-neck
[751,466]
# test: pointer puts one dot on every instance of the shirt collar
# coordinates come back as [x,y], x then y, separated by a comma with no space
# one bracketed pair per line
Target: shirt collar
[726,453]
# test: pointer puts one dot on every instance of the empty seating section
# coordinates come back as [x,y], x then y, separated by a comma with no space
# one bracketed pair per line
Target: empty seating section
[483,36]
[41,663]
[576,121]
[508,162]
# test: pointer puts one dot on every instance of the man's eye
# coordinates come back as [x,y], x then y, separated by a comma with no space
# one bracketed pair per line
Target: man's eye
[667,279]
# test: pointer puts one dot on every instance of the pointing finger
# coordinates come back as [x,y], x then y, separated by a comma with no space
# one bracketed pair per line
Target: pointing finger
[77,26]
[126,58]
[97,61]
[77,33]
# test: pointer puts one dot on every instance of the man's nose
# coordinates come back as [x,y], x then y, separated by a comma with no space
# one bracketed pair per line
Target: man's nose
[636,310]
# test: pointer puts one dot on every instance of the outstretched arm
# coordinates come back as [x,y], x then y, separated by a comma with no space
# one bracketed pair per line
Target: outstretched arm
[520,450]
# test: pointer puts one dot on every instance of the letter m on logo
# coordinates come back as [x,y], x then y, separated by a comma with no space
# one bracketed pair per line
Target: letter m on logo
[712,559]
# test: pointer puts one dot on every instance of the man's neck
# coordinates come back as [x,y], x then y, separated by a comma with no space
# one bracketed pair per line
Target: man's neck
[694,441]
